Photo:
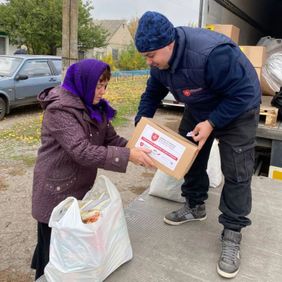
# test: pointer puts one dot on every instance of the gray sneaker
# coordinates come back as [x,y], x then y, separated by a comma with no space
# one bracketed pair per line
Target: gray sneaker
[186,214]
[229,261]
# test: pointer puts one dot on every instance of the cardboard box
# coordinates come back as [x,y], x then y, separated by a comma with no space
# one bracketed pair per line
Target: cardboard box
[258,70]
[256,55]
[171,153]
[229,30]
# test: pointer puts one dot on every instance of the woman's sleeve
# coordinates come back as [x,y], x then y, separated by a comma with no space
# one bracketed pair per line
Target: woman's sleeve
[70,135]
[112,138]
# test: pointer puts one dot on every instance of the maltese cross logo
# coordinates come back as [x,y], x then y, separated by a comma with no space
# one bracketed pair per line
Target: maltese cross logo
[155,137]
[186,92]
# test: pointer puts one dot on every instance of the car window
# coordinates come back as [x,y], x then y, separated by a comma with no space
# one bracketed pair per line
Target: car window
[34,68]
[9,65]
[58,66]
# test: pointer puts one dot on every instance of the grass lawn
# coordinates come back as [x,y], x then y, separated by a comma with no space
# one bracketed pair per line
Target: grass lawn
[123,95]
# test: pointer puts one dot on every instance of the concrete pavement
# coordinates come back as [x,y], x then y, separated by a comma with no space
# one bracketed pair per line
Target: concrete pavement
[189,252]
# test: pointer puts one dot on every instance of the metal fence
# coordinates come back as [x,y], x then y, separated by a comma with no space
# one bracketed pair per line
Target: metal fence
[133,74]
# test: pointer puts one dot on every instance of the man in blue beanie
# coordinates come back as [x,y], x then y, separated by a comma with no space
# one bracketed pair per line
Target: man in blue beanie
[220,89]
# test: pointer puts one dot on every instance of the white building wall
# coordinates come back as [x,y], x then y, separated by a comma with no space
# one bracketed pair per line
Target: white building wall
[119,41]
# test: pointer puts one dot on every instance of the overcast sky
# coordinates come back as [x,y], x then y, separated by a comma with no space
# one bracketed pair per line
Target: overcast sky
[180,12]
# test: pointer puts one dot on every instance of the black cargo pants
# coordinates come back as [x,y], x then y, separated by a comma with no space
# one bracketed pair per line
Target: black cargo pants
[236,147]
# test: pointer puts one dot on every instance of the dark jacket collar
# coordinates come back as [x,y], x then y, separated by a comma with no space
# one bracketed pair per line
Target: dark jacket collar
[180,44]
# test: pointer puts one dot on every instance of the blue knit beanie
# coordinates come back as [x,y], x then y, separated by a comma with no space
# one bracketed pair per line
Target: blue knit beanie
[154,32]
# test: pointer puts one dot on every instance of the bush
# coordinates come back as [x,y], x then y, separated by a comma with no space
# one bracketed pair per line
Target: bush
[109,60]
[131,59]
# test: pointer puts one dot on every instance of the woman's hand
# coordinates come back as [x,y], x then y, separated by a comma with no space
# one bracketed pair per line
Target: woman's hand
[139,156]
[201,133]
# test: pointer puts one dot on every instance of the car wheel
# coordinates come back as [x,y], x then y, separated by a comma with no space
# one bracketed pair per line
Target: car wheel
[3,108]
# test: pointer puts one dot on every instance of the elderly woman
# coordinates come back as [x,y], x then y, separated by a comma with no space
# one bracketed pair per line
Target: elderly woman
[77,138]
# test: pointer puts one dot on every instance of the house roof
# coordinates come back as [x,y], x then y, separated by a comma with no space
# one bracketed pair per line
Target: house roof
[110,25]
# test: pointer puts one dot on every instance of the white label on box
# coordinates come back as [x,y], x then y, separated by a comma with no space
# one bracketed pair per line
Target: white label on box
[165,150]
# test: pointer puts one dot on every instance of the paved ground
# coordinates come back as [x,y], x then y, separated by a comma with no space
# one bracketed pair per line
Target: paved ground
[189,252]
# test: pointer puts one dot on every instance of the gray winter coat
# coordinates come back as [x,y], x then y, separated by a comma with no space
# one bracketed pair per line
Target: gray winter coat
[73,148]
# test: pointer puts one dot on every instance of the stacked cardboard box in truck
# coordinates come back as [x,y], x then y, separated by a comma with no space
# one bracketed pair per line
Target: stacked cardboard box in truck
[227,29]
[256,55]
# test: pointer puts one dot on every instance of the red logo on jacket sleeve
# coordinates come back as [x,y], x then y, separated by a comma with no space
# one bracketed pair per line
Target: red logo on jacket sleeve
[186,92]
[155,137]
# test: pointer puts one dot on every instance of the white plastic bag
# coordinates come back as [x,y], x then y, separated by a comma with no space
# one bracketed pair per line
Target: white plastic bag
[88,252]
[214,166]
[167,187]
[272,69]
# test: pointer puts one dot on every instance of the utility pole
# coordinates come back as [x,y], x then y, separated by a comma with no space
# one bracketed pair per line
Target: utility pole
[69,33]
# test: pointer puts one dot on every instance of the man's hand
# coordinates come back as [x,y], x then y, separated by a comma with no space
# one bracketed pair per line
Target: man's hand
[201,133]
[139,156]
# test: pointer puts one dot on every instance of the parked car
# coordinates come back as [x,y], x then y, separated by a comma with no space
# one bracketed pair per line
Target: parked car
[169,100]
[23,77]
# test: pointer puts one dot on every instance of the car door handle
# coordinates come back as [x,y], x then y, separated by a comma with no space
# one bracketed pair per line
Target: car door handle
[52,79]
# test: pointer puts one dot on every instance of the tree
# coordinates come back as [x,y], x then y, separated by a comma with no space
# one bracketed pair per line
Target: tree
[109,60]
[89,34]
[131,59]
[38,25]
[132,26]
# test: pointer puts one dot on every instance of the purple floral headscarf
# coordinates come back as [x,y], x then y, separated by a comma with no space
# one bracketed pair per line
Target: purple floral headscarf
[81,79]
